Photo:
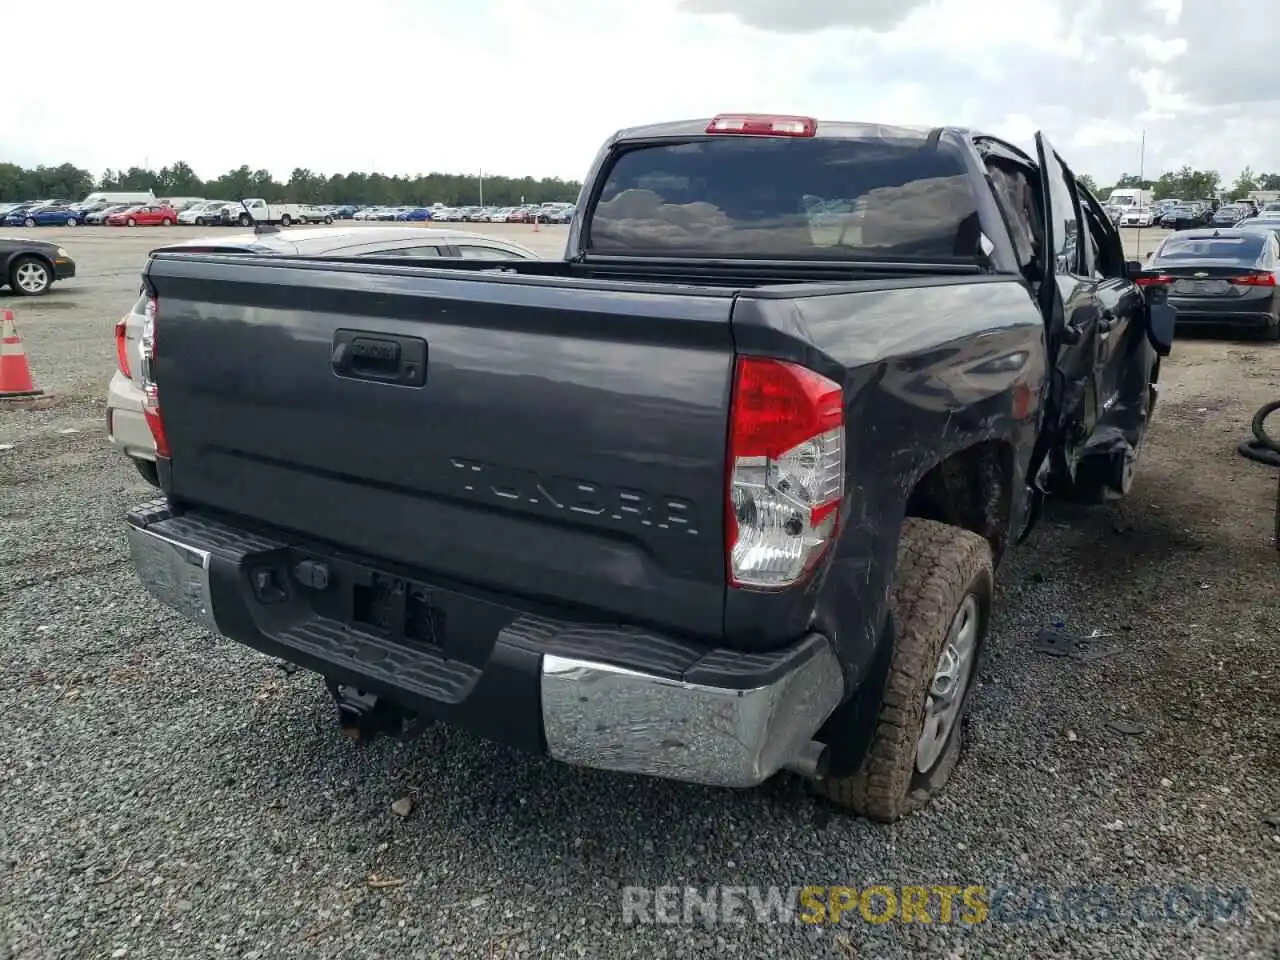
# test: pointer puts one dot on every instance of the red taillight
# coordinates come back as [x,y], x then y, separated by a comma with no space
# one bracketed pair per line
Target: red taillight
[785,472]
[1255,280]
[150,391]
[122,347]
[763,125]
[1153,281]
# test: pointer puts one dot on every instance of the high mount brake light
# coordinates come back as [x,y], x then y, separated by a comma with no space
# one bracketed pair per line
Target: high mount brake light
[785,472]
[150,391]
[122,346]
[763,125]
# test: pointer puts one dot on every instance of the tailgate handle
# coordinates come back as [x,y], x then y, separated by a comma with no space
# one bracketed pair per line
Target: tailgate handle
[381,358]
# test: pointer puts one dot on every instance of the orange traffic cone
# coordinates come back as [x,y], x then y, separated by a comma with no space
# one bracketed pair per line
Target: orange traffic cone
[15,372]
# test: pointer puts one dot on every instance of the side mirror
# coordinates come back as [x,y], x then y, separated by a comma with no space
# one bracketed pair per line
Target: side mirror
[1132,268]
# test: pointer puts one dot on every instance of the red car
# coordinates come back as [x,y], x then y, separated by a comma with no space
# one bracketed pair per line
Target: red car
[150,215]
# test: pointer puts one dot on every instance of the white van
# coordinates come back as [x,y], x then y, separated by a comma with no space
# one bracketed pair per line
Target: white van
[181,203]
[109,197]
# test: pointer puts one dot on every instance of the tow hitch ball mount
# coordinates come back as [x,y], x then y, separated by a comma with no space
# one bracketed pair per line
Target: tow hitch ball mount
[365,716]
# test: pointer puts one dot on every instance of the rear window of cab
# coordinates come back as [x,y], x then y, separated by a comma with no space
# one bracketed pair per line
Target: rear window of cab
[901,198]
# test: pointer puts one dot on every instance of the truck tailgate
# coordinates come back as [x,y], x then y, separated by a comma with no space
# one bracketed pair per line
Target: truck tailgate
[560,440]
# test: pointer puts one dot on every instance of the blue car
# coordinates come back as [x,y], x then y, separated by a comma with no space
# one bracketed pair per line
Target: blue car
[417,214]
[61,216]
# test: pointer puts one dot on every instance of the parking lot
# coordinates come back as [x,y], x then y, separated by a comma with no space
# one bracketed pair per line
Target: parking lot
[173,794]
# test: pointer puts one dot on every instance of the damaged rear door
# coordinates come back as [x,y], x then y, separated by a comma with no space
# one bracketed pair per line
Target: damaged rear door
[1077,318]
[1126,359]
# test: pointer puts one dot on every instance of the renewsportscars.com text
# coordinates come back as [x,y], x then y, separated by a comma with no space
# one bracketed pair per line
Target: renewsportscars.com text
[930,904]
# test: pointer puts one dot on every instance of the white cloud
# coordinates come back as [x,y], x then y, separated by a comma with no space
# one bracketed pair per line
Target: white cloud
[533,86]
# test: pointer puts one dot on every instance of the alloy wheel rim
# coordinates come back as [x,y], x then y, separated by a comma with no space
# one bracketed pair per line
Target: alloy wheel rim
[950,684]
[32,277]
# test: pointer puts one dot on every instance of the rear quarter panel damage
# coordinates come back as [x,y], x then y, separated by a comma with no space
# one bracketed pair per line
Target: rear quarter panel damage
[930,370]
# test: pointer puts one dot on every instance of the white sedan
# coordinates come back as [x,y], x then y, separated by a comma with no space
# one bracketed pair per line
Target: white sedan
[201,213]
[1140,217]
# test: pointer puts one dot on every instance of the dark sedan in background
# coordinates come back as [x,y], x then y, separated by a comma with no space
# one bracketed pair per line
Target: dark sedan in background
[30,267]
[1220,277]
[1229,215]
[1185,217]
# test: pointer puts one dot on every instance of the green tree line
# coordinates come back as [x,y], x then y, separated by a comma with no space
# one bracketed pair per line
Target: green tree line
[1189,184]
[303,186]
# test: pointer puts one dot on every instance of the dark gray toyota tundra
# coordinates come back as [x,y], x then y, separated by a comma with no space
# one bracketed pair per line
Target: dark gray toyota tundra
[718,494]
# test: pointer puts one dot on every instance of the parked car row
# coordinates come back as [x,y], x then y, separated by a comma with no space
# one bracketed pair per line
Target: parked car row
[389,214]
[528,213]
[243,213]
[525,213]
[144,209]
[93,209]
[1176,214]
[40,213]
[141,210]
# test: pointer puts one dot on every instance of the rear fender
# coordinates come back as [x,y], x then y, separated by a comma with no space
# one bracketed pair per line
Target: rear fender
[931,368]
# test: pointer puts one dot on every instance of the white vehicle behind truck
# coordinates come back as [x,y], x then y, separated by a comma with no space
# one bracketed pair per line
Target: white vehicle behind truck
[308,213]
[1126,198]
[257,210]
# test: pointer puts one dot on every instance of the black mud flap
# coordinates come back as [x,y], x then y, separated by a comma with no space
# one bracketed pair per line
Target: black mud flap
[1162,319]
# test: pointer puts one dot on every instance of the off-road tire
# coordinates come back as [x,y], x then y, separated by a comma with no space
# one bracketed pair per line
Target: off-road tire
[938,567]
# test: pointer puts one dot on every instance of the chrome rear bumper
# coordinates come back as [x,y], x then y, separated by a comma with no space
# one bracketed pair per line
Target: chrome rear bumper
[591,713]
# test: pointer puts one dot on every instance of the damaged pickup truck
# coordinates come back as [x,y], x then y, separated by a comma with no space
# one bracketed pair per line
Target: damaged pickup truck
[718,494]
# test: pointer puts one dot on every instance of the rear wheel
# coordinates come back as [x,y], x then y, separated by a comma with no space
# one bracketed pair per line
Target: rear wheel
[941,603]
[166,222]
[72,221]
[30,277]
[286,220]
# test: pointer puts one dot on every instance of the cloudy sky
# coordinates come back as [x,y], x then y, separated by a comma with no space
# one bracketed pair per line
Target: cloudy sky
[532,86]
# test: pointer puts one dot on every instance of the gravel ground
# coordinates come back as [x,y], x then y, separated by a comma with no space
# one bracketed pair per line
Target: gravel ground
[171,794]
